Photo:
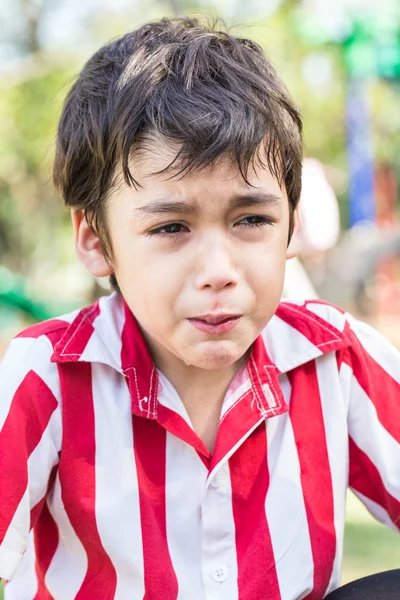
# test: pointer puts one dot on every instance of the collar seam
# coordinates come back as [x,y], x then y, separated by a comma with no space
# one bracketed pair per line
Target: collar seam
[336,334]
[78,326]
[147,404]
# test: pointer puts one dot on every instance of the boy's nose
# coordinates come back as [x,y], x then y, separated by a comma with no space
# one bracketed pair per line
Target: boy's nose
[216,267]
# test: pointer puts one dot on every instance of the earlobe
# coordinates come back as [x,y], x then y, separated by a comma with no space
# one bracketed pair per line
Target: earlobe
[88,247]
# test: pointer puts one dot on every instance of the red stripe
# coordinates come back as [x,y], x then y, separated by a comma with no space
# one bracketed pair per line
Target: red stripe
[318,332]
[44,328]
[365,478]
[150,456]
[36,511]
[46,542]
[257,577]
[342,357]
[235,425]
[29,415]
[135,351]
[178,427]
[149,439]
[380,387]
[77,472]
[316,480]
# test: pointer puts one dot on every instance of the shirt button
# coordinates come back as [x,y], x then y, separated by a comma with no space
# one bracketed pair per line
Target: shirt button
[220,573]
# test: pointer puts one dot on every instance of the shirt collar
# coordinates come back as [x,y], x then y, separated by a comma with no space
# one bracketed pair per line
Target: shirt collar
[108,333]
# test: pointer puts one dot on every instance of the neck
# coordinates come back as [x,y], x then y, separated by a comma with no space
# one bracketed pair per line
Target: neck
[192,382]
[202,393]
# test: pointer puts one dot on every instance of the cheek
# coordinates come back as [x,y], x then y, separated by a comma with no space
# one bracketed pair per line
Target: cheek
[266,280]
[152,289]
[268,263]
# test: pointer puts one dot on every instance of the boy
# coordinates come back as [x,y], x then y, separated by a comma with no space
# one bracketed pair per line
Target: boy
[189,436]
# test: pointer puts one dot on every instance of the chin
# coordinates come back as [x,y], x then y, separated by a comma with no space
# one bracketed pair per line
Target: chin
[214,358]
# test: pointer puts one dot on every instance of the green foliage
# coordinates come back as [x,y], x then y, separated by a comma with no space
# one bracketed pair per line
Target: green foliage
[29,213]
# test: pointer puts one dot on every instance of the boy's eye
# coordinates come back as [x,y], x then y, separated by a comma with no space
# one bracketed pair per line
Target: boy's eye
[255,221]
[175,229]
[169,230]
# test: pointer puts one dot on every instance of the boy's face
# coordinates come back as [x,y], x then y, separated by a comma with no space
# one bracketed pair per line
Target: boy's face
[199,260]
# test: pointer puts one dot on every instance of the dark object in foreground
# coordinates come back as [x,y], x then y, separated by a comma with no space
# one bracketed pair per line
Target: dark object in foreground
[382,586]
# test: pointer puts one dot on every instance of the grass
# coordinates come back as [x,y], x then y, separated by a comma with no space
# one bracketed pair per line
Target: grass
[369,547]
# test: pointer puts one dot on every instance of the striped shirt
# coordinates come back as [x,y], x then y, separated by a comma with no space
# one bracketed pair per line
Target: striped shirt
[106,491]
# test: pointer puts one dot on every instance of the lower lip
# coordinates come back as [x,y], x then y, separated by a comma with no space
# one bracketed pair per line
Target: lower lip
[216,328]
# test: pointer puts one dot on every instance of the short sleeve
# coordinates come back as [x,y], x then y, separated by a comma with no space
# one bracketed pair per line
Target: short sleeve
[370,375]
[30,440]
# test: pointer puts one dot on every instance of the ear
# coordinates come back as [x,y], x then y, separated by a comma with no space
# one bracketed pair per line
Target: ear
[87,246]
[295,242]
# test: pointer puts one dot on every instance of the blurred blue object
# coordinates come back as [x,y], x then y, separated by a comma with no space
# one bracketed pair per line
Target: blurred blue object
[362,205]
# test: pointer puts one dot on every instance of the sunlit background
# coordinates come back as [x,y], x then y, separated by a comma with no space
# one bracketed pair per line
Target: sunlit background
[341,63]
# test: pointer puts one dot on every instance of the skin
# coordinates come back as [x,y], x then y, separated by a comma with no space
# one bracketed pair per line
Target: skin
[205,255]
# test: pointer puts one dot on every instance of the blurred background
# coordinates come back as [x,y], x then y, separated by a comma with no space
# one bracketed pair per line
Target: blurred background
[341,63]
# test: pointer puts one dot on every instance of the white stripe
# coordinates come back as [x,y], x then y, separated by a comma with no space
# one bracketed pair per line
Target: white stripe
[285,509]
[16,538]
[378,347]
[377,511]
[24,584]
[169,397]
[334,409]
[117,495]
[185,483]
[67,570]
[108,326]
[15,353]
[346,382]
[330,314]
[43,458]
[373,439]
[238,387]
[218,540]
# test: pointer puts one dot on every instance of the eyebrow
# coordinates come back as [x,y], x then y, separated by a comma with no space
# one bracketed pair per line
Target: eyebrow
[184,208]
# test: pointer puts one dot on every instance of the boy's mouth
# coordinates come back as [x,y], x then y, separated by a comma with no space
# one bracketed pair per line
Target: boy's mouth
[215,319]
[215,323]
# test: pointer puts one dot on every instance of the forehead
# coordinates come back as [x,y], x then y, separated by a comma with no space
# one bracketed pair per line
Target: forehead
[156,165]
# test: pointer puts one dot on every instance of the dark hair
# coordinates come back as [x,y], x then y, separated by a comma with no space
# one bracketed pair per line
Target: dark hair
[212,93]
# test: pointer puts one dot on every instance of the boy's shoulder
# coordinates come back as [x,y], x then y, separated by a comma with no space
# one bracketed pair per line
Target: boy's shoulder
[303,331]
[31,350]
[89,334]
[29,369]
[314,311]
[51,328]
[45,333]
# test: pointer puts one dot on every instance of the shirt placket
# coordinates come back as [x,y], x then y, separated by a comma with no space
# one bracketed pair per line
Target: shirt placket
[219,559]
[218,551]
[260,399]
